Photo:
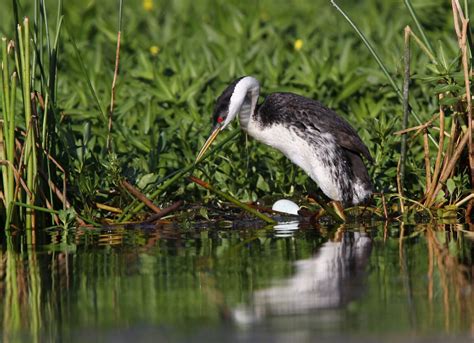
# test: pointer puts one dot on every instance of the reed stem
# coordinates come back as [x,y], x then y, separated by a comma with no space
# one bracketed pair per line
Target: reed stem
[114,81]
[30,146]
[380,63]
[406,108]
[418,25]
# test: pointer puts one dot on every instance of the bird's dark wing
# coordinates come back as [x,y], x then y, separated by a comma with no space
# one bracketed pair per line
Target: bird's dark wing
[307,114]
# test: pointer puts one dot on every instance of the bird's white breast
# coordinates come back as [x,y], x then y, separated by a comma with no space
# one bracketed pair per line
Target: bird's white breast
[299,152]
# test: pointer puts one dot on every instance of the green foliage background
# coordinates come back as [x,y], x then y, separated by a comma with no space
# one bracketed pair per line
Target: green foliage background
[176,57]
[164,100]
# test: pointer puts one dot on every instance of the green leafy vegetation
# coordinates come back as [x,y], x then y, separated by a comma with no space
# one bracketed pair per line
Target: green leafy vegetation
[175,59]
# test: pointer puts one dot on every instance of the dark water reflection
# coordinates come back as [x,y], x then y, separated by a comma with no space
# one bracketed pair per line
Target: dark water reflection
[405,282]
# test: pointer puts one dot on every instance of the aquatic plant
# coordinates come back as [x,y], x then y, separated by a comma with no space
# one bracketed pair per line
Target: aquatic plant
[127,98]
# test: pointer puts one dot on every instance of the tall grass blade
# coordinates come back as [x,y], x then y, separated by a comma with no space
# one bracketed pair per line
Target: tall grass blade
[5,139]
[406,108]
[4,165]
[371,49]
[8,129]
[30,146]
[5,76]
[11,149]
[379,62]
[116,69]
[86,75]
[418,25]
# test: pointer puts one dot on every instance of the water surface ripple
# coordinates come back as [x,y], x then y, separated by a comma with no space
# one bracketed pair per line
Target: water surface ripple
[290,283]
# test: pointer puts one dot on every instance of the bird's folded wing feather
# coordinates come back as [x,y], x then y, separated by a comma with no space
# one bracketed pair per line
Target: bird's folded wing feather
[304,112]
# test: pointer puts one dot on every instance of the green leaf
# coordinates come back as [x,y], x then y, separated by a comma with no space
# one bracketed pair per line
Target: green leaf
[451,186]
[146,180]
[441,196]
[449,101]
[442,88]
[352,87]
[262,184]
[203,213]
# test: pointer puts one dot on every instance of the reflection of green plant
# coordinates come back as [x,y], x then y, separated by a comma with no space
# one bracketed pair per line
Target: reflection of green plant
[183,281]
[150,279]
[21,300]
[67,217]
[435,252]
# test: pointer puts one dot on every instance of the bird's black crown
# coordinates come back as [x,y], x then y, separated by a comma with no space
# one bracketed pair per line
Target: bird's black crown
[221,108]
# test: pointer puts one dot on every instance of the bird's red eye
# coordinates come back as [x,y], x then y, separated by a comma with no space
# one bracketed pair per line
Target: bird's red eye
[220,119]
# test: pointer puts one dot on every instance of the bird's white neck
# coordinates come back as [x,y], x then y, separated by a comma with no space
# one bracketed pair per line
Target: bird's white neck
[243,101]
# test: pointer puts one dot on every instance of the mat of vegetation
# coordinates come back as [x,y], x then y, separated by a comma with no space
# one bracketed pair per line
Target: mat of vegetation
[91,130]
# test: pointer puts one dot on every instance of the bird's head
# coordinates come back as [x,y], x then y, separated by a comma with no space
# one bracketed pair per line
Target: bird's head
[240,97]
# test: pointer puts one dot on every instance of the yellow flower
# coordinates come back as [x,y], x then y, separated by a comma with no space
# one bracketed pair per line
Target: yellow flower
[148,5]
[298,44]
[154,50]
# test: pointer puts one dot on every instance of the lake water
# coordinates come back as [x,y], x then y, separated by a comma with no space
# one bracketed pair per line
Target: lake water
[388,282]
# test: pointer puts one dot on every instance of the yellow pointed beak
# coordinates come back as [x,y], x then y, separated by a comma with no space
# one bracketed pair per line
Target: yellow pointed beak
[209,141]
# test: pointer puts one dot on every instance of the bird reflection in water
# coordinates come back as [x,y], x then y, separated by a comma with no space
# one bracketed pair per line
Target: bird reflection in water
[332,278]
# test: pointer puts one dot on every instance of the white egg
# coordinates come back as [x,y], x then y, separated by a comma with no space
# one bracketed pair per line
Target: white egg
[286,206]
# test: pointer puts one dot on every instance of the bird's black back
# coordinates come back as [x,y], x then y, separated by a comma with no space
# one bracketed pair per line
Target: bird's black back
[310,116]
